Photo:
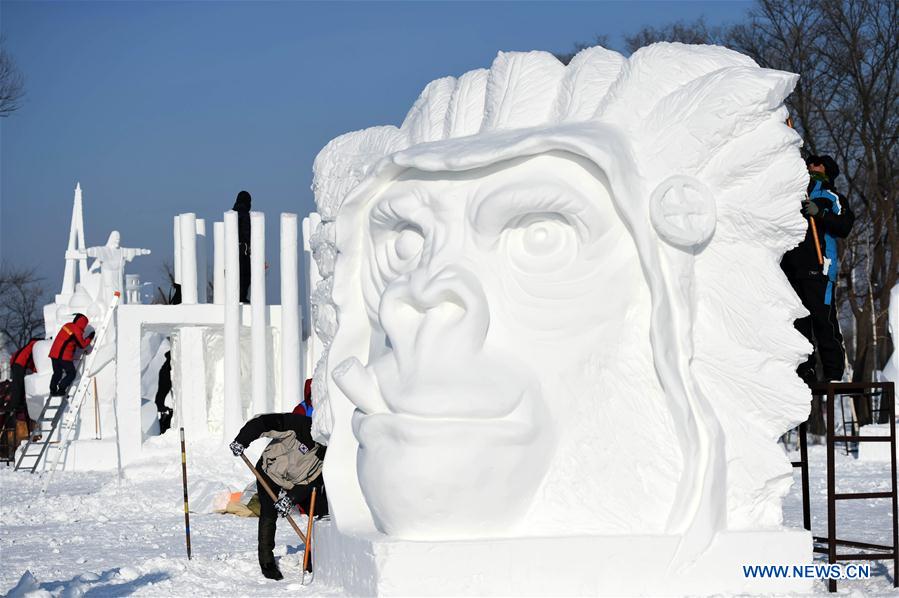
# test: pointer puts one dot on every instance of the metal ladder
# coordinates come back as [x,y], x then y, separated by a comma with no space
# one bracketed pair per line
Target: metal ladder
[62,412]
[39,439]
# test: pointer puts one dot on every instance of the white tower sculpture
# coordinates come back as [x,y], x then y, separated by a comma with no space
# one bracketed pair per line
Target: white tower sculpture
[76,242]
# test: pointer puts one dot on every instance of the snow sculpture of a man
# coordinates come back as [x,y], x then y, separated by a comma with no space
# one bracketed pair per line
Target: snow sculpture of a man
[560,303]
[112,259]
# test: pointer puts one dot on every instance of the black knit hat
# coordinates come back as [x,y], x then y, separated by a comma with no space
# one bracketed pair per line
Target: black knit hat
[830,165]
[242,203]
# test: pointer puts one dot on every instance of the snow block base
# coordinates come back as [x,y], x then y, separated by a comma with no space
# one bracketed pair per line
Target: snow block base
[563,566]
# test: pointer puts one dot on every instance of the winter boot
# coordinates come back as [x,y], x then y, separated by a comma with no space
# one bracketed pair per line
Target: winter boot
[271,571]
[165,420]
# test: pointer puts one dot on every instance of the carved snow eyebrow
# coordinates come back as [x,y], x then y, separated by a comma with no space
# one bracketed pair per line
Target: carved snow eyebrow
[493,209]
[394,208]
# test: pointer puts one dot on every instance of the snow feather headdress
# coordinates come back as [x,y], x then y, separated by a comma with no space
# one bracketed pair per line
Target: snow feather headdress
[697,134]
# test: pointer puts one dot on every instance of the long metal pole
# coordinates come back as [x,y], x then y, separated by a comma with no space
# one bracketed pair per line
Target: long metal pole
[831,487]
[184,479]
[803,452]
[96,411]
[273,496]
[889,392]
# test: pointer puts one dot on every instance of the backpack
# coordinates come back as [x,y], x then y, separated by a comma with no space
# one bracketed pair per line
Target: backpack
[289,462]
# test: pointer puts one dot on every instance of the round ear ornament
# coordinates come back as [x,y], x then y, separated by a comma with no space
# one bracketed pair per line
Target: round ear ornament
[682,211]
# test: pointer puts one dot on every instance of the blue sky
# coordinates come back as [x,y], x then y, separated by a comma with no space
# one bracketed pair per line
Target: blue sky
[168,107]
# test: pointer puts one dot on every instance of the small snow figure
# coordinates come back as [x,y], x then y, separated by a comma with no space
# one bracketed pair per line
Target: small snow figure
[112,260]
[62,353]
[242,207]
[287,469]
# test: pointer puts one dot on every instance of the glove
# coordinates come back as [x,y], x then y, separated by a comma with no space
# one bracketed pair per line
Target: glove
[237,448]
[283,505]
[810,208]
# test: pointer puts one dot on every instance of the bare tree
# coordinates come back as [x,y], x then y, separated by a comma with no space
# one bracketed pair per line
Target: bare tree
[21,301]
[12,82]
[696,32]
[162,297]
[846,104]
[565,57]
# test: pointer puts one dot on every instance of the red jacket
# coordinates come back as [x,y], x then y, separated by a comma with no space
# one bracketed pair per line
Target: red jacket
[24,357]
[71,335]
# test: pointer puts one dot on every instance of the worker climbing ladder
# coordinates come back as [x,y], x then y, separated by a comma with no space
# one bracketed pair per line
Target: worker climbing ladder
[62,412]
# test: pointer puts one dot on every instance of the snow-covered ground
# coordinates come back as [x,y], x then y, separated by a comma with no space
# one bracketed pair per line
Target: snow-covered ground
[95,535]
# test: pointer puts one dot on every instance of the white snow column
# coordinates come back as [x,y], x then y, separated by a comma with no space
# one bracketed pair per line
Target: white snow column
[177,249]
[233,416]
[290,315]
[188,259]
[891,369]
[261,401]
[218,263]
[189,355]
[202,264]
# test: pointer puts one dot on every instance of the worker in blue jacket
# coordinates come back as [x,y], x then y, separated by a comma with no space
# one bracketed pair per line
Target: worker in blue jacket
[812,269]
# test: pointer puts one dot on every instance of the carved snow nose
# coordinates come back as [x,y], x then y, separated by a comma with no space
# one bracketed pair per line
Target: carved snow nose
[430,315]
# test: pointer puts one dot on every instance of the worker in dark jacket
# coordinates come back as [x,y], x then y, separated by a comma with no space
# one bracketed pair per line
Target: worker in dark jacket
[242,207]
[813,265]
[163,388]
[291,465]
[62,353]
[21,363]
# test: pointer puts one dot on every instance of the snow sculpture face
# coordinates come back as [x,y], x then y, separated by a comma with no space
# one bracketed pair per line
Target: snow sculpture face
[552,295]
[480,283]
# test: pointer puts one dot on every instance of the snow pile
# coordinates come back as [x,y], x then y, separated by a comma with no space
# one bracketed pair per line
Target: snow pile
[891,370]
[93,534]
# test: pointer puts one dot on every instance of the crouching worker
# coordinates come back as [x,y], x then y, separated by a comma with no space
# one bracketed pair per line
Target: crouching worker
[291,464]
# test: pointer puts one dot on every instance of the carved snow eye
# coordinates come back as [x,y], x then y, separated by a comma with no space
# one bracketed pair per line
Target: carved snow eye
[538,243]
[408,244]
[400,251]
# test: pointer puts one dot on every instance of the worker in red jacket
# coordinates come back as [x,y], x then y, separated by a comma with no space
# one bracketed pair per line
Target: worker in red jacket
[21,363]
[62,353]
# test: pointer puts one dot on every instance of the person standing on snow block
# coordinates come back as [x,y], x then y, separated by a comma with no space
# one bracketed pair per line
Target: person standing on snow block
[62,353]
[815,282]
[163,388]
[242,207]
[291,464]
[20,363]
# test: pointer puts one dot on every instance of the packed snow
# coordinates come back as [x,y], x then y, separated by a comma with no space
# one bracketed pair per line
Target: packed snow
[96,535]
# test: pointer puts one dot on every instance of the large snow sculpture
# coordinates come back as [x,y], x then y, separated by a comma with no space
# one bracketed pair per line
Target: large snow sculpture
[112,259]
[557,293]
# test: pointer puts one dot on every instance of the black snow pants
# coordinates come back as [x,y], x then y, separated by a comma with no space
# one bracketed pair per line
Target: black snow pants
[17,389]
[244,276]
[63,374]
[163,389]
[268,516]
[820,327]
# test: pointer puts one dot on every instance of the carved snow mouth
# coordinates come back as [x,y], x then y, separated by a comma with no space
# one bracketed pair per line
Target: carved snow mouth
[381,388]
[361,387]
[419,431]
